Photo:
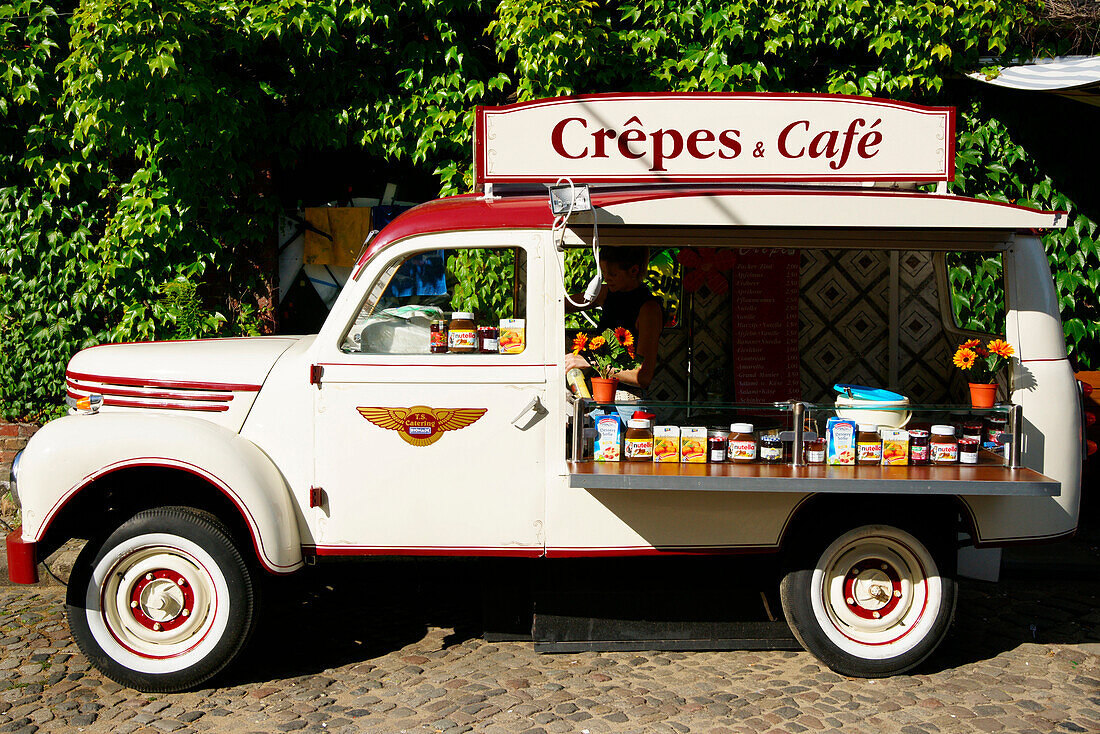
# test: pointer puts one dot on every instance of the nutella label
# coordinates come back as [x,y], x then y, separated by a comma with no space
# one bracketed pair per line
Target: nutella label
[869,452]
[945,452]
[742,450]
[462,339]
[919,453]
[638,448]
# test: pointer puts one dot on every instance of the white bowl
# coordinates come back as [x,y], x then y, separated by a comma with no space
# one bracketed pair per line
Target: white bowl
[888,413]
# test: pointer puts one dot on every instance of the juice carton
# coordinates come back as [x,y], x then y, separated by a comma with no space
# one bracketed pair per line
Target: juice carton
[666,443]
[895,446]
[693,445]
[840,439]
[609,438]
[512,336]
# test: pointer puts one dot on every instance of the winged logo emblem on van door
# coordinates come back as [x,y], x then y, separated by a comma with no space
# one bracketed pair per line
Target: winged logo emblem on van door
[421,425]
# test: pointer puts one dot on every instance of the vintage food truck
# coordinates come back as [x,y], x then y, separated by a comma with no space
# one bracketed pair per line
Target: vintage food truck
[194,468]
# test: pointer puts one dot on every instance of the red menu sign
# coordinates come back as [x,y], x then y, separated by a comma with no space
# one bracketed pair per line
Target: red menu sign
[765,326]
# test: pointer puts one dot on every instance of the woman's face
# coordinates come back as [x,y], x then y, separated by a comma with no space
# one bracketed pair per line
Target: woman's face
[619,278]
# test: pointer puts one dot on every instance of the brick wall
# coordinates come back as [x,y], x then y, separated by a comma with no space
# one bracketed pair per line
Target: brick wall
[13,437]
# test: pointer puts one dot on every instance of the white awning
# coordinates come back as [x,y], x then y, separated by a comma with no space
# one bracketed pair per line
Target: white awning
[1071,76]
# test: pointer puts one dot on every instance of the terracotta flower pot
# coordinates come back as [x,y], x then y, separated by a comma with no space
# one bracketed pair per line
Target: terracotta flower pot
[603,391]
[982,395]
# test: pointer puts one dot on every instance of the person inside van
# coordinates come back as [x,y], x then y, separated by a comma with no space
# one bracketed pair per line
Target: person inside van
[626,303]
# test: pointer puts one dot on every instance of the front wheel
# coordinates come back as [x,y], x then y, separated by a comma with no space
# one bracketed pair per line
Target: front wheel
[164,603]
[874,602]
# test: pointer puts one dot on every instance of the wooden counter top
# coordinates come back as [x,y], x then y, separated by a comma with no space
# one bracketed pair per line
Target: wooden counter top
[987,478]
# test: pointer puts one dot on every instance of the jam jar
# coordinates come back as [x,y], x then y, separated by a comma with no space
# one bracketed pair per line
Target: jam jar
[487,339]
[717,442]
[771,448]
[815,451]
[972,429]
[968,451]
[943,447]
[438,338]
[918,447]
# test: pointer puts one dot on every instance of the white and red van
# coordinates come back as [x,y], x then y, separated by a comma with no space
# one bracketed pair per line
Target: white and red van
[210,463]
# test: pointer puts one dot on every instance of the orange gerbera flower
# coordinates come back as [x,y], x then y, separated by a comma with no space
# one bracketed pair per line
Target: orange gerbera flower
[971,343]
[597,342]
[579,342]
[630,348]
[624,336]
[1001,348]
[964,358]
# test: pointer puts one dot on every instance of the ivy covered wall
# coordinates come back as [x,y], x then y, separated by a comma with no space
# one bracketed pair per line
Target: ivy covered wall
[147,150]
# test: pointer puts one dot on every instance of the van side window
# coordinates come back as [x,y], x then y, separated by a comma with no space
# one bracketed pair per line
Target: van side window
[415,290]
[977,291]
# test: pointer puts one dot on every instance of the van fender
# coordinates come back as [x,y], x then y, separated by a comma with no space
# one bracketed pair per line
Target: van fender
[67,455]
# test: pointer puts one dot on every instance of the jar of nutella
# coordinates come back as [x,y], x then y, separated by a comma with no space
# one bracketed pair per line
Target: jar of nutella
[717,442]
[868,445]
[815,451]
[918,447]
[438,340]
[638,441]
[771,449]
[462,333]
[742,444]
[968,451]
[943,448]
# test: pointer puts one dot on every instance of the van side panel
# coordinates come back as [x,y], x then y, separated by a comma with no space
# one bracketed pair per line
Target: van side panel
[1044,384]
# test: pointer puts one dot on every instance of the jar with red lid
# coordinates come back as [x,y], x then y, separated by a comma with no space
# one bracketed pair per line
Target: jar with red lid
[972,429]
[968,451]
[918,447]
[438,340]
[488,339]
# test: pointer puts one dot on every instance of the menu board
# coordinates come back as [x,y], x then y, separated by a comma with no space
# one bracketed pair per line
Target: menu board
[765,326]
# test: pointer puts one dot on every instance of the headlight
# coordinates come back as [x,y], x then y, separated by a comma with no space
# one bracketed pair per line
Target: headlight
[14,479]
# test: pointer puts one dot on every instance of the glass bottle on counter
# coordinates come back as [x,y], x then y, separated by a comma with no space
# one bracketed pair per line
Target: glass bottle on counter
[771,449]
[868,445]
[814,452]
[943,447]
[918,447]
[742,445]
[638,441]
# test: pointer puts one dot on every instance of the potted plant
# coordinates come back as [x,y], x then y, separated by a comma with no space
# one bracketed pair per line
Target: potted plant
[609,353]
[981,365]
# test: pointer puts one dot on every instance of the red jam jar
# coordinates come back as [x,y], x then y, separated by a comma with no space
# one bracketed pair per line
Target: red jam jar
[918,447]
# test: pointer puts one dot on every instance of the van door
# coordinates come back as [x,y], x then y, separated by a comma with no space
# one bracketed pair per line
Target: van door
[434,453]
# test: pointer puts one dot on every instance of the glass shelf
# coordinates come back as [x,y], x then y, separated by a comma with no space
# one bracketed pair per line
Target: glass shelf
[788,406]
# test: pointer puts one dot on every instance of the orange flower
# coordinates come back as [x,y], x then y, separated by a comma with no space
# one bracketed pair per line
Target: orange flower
[579,342]
[964,358]
[597,342]
[971,343]
[625,337]
[1001,348]
[630,348]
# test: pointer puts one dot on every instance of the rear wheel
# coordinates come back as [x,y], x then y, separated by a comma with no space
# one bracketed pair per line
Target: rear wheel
[872,602]
[164,602]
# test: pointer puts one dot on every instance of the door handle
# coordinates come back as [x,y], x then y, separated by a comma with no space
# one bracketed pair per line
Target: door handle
[530,414]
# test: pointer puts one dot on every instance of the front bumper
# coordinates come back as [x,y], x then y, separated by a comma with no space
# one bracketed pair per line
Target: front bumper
[22,560]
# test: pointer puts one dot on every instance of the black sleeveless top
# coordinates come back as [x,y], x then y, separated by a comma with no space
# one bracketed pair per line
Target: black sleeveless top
[621,309]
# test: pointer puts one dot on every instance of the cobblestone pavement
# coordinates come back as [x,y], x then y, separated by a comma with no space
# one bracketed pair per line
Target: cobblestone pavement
[332,656]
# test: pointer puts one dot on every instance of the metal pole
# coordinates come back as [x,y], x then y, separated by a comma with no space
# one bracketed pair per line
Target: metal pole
[798,411]
[577,428]
[1015,427]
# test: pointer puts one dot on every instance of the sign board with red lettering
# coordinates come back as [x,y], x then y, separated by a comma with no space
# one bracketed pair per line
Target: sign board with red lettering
[713,138]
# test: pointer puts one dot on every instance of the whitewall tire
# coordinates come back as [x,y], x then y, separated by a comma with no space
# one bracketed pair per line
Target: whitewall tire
[164,602]
[872,602]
